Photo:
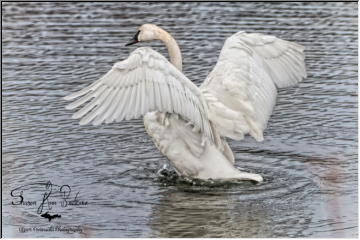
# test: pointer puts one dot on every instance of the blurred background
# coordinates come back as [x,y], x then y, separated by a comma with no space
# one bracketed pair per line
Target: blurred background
[308,158]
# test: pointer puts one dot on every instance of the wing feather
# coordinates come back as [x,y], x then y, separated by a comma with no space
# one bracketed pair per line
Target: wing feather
[118,105]
[103,113]
[91,87]
[151,100]
[143,95]
[97,103]
[158,100]
[130,106]
[245,81]
[124,104]
[81,100]
[138,101]
[105,103]
[90,105]
[144,82]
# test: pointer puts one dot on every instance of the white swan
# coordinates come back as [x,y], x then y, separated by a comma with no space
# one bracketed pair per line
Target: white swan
[188,124]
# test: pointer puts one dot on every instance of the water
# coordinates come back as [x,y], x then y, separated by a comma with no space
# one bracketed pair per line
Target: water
[308,157]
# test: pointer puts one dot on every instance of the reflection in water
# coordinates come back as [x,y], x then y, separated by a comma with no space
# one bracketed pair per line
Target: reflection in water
[308,157]
[333,182]
[206,215]
[239,209]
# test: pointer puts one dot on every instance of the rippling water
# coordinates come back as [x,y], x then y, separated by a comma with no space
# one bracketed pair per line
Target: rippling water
[308,158]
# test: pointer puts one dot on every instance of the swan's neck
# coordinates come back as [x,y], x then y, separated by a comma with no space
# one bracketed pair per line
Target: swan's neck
[173,49]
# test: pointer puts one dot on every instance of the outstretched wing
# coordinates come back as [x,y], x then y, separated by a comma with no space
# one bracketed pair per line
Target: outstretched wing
[242,88]
[144,82]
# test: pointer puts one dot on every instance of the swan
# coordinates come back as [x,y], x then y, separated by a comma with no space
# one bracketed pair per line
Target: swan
[189,124]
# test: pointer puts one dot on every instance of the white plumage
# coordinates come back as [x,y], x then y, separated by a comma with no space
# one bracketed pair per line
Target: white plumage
[244,82]
[143,83]
[237,98]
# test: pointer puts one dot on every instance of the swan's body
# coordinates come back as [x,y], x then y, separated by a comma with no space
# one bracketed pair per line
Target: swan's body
[236,98]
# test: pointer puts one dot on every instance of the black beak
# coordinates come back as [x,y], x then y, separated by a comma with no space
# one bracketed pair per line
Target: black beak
[134,39]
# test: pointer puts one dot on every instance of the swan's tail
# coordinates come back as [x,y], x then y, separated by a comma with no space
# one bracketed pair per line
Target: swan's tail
[249,176]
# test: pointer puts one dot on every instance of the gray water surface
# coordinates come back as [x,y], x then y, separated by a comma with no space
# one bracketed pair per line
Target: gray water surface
[308,157]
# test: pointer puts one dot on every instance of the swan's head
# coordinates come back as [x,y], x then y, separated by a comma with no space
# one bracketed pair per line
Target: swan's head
[147,32]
